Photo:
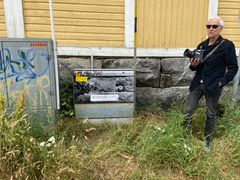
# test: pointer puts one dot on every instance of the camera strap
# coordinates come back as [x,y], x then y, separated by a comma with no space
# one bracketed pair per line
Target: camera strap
[211,52]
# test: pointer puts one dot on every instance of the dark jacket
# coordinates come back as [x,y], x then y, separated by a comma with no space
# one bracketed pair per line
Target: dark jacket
[221,66]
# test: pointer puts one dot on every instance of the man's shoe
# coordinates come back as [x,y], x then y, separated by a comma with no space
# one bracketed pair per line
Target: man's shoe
[206,149]
[207,146]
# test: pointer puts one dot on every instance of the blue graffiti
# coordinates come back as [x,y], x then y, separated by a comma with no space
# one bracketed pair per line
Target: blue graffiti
[22,67]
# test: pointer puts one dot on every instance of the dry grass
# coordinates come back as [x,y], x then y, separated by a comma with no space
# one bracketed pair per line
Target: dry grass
[153,147]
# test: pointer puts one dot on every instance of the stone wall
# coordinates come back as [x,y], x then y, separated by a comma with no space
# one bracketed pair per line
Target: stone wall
[159,81]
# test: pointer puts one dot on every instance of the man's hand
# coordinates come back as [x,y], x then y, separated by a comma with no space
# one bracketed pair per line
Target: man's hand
[194,62]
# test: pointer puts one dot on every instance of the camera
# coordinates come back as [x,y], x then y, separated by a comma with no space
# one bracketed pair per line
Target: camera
[196,54]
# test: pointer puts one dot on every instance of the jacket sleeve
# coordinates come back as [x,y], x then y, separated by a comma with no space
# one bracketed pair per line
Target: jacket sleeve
[231,64]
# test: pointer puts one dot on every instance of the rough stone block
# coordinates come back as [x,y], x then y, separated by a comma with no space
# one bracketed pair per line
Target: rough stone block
[147,70]
[166,80]
[162,97]
[66,66]
[179,70]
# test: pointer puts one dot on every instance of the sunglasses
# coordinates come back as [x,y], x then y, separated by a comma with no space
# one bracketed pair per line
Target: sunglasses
[213,26]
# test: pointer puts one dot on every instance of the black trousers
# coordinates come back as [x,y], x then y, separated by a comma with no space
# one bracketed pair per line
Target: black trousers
[211,107]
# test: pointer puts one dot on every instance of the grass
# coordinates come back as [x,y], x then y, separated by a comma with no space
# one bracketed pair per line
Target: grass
[152,147]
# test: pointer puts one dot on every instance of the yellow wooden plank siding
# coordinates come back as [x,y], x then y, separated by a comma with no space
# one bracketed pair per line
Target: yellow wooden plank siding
[229,10]
[98,23]
[3,32]
[171,23]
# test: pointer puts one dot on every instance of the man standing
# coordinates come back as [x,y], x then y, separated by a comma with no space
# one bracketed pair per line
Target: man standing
[218,68]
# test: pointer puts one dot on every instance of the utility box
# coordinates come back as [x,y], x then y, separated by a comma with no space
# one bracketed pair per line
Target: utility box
[27,66]
[102,95]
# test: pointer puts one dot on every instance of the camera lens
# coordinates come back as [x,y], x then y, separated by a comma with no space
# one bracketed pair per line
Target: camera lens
[188,53]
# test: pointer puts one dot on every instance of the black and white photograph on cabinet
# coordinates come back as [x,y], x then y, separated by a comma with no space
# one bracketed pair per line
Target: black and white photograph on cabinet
[103,86]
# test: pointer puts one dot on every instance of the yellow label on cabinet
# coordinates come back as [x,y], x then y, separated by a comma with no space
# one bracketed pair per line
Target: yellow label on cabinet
[81,78]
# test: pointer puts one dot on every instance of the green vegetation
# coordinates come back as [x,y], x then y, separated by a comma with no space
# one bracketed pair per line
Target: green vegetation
[152,147]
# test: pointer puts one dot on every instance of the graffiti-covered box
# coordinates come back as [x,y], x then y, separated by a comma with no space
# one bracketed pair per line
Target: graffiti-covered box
[104,94]
[27,68]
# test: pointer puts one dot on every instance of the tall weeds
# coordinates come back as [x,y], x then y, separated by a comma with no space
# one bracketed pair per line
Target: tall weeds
[152,147]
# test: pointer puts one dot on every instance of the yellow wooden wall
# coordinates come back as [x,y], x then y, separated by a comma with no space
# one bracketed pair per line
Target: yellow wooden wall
[77,22]
[171,23]
[3,32]
[161,23]
[229,10]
